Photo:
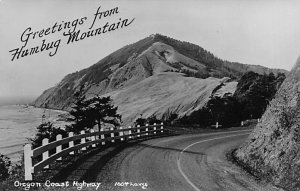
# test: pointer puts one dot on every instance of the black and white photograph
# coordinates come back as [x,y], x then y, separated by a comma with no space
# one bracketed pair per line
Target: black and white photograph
[157,95]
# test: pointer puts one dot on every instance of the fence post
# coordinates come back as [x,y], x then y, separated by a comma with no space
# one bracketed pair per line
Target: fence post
[217,125]
[83,140]
[93,138]
[154,128]
[28,162]
[71,143]
[129,132]
[162,127]
[102,137]
[46,153]
[121,133]
[138,130]
[58,148]
[146,129]
[112,135]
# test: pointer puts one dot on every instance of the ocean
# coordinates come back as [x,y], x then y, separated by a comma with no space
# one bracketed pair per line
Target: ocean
[18,123]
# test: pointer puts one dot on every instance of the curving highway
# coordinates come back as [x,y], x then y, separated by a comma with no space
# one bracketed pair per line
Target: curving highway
[193,162]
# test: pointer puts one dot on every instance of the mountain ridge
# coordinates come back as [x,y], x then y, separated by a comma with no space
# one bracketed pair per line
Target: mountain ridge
[131,64]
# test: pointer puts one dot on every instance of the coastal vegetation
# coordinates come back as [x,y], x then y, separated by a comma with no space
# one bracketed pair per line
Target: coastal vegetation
[250,100]
[5,164]
[86,114]
[96,111]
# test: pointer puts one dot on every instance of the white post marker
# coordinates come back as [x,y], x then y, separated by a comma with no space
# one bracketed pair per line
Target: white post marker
[129,132]
[71,143]
[28,162]
[147,129]
[258,120]
[112,135]
[102,137]
[138,130]
[121,133]
[93,138]
[154,128]
[217,125]
[46,153]
[162,127]
[242,123]
[58,148]
[83,140]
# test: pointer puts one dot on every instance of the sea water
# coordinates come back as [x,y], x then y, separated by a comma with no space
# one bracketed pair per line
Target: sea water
[18,124]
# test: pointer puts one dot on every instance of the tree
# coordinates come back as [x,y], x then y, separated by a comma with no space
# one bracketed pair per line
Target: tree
[140,121]
[215,106]
[201,117]
[152,119]
[94,111]
[81,115]
[46,130]
[172,118]
[254,92]
[103,112]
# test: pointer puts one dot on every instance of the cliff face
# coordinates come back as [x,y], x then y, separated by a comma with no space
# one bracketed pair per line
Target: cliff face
[160,66]
[272,151]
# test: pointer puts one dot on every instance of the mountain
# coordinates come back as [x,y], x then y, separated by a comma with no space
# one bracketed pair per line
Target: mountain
[272,151]
[179,75]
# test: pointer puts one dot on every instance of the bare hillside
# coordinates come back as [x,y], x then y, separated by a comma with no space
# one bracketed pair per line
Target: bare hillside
[167,93]
[184,72]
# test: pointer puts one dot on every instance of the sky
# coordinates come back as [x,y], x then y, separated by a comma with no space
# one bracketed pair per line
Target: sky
[247,31]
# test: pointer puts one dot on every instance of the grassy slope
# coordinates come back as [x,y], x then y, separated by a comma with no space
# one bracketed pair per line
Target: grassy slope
[164,94]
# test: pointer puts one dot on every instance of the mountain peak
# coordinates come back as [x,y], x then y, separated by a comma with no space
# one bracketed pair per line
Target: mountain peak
[155,35]
[142,62]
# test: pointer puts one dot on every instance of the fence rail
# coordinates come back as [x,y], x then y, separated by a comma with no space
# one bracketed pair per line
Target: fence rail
[85,139]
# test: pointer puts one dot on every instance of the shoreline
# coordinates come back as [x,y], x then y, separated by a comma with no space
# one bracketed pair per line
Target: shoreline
[18,123]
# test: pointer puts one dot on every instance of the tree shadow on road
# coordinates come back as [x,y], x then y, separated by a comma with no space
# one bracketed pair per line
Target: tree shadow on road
[87,166]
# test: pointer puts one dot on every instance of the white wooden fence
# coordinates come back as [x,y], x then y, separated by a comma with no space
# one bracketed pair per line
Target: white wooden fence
[85,139]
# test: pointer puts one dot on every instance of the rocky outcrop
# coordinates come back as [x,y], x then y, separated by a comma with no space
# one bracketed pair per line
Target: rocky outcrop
[272,151]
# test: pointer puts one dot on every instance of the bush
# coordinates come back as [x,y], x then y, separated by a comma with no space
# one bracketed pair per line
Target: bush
[140,121]
[150,121]
[46,130]
[5,165]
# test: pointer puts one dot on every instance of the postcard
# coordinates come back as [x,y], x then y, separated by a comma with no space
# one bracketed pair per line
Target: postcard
[149,95]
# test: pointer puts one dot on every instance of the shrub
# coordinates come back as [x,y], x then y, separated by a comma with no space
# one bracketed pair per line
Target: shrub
[140,121]
[150,120]
[5,165]
[46,130]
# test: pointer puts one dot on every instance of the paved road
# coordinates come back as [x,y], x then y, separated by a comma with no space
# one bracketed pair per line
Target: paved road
[194,162]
